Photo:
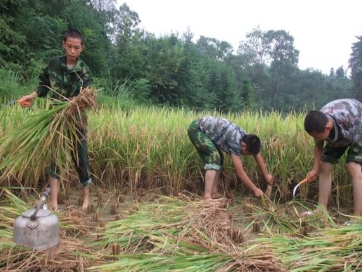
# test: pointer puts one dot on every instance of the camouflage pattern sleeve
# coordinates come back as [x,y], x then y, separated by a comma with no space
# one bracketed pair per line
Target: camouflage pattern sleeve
[347,114]
[87,78]
[44,83]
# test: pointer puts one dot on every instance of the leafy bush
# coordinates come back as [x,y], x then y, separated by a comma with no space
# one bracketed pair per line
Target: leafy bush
[10,87]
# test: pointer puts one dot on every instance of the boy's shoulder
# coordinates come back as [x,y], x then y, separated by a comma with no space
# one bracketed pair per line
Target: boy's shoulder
[343,106]
[81,66]
[346,112]
[54,63]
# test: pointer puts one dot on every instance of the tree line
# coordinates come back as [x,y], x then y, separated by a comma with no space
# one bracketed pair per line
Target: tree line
[173,70]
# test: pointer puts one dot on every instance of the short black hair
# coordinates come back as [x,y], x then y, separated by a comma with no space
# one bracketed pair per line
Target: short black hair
[252,143]
[73,33]
[315,121]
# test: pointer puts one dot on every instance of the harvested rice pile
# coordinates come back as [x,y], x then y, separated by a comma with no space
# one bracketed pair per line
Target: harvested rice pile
[214,220]
[331,249]
[180,233]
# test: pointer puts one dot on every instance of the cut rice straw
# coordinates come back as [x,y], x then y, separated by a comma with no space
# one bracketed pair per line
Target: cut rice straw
[176,235]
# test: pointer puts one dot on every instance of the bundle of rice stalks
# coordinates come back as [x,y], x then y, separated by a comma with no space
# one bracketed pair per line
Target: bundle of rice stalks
[282,218]
[174,234]
[44,137]
[331,249]
[212,220]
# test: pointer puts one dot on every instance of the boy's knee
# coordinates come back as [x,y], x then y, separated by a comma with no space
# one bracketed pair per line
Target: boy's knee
[53,173]
[212,167]
[86,183]
[354,169]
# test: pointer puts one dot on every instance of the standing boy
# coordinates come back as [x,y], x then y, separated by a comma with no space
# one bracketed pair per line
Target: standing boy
[339,124]
[64,77]
[210,136]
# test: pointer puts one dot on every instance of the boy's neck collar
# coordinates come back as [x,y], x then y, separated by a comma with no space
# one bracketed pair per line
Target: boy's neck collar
[334,133]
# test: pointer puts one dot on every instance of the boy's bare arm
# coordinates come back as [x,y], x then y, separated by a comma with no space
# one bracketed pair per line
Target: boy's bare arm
[241,174]
[260,162]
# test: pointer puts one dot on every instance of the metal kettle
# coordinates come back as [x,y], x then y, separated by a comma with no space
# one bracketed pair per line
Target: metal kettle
[37,228]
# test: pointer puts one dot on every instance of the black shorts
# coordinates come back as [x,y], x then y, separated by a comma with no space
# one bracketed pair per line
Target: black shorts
[333,154]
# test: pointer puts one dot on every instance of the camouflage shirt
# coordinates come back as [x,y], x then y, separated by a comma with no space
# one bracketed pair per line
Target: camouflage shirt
[223,133]
[347,117]
[58,79]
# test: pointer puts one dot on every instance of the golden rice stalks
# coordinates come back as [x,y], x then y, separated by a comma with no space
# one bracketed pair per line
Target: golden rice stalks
[330,249]
[50,135]
[85,100]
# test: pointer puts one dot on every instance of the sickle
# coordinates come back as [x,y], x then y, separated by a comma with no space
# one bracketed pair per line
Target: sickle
[20,102]
[296,187]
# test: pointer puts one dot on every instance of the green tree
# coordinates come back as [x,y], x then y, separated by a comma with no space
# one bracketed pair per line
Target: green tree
[355,63]
[247,95]
[125,25]
[214,48]
[270,60]
[340,72]
[39,27]
[127,62]
[165,57]
[192,76]
[11,41]
[283,63]
[254,54]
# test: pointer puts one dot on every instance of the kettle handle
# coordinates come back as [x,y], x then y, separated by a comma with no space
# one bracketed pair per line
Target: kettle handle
[40,204]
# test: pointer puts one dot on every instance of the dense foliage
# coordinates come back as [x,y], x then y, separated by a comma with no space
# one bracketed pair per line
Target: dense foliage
[174,69]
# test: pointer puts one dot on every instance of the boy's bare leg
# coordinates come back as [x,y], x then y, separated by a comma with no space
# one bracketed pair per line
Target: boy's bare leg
[85,198]
[215,193]
[325,184]
[210,176]
[354,169]
[54,190]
